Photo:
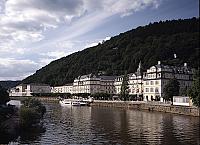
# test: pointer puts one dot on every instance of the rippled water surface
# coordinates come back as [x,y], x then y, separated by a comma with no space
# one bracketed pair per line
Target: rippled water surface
[98,125]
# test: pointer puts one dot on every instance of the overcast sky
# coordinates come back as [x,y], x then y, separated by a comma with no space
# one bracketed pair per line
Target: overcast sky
[35,32]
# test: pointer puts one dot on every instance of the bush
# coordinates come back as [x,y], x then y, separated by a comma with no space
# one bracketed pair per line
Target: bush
[4,96]
[28,117]
[31,112]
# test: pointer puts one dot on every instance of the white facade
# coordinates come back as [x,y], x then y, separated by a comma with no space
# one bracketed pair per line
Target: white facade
[182,101]
[94,84]
[149,85]
[63,89]
[27,89]
[135,82]
[156,77]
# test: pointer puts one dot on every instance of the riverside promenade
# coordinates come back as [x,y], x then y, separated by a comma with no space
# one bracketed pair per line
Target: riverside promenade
[49,99]
[150,106]
[139,105]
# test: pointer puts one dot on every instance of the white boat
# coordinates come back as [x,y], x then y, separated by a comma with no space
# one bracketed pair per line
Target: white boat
[65,102]
[73,102]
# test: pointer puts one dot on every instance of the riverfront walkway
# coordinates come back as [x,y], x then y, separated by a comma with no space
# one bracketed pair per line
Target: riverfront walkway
[140,105]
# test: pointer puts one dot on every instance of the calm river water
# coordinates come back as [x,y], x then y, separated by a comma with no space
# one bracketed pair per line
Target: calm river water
[98,125]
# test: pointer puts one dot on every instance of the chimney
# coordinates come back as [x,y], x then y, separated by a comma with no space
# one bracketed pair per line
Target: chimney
[159,62]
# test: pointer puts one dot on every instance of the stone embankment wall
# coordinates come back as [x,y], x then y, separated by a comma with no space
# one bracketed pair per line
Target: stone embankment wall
[48,99]
[184,110]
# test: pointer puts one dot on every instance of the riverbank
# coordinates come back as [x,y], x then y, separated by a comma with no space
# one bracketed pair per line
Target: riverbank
[140,105]
[48,99]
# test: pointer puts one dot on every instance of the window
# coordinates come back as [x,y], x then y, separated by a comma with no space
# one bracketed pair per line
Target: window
[152,83]
[156,90]
[147,89]
[157,82]
[151,90]
[147,82]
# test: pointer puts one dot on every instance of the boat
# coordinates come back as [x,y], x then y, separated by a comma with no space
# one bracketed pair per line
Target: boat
[73,102]
[65,102]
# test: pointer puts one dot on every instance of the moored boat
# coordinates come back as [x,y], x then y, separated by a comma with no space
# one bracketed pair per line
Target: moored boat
[73,102]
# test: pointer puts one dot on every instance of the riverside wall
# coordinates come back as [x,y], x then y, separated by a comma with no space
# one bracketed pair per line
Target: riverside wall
[184,110]
[48,99]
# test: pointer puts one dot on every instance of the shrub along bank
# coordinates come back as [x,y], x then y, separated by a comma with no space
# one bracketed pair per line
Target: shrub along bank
[31,112]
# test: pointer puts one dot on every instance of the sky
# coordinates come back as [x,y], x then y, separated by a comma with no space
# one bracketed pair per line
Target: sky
[35,32]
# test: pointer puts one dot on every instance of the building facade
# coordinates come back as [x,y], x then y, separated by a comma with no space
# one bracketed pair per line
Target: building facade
[149,84]
[28,89]
[94,84]
[135,82]
[182,101]
[63,89]
[156,77]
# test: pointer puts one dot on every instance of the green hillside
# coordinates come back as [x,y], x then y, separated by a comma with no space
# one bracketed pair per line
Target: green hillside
[157,41]
[9,84]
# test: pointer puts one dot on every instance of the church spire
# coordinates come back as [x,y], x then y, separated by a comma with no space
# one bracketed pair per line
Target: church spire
[139,70]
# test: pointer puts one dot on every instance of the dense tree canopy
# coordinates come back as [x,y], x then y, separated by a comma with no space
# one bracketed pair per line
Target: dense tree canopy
[171,89]
[194,91]
[4,96]
[124,93]
[148,44]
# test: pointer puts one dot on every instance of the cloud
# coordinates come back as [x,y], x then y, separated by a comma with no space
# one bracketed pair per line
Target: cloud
[16,69]
[35,32]
[28,19]
[96,42]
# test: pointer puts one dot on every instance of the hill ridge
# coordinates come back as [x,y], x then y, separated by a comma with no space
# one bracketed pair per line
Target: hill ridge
[150,43]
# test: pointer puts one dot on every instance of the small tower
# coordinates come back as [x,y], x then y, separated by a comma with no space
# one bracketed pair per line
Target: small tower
[139,70]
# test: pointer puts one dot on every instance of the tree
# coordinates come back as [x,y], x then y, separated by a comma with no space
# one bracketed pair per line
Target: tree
[124,88]
[194,91]
[148,43]
[171,89]
[4,96]
[31,112]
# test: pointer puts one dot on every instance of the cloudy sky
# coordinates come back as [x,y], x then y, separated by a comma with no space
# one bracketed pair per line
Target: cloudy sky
[35,32]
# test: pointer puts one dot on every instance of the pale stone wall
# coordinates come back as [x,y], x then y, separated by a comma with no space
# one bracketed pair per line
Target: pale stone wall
[184,110]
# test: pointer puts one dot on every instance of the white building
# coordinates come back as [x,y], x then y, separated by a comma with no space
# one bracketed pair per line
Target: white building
[93,84]
[182,101]
[156,77]
[135,82]
[107,84]
[63,89]
[27,89]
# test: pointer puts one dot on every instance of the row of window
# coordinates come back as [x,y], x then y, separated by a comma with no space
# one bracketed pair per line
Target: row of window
[153,75]
[152,90]
[181,100]
[152,82]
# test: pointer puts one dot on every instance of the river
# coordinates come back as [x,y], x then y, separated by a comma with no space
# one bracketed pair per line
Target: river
[99,125]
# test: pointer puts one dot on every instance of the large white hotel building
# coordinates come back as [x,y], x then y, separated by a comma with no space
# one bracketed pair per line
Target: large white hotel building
[147,84]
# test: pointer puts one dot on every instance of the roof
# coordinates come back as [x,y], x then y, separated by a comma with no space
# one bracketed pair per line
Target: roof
[107,77]
[175,69]
[86,76]
[33,84]
[69,84]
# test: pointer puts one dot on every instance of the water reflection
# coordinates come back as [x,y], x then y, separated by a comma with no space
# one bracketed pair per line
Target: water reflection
[93,125]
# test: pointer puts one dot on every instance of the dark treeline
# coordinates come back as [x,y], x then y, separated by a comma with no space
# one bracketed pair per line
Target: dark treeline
[148,44]
[9,84]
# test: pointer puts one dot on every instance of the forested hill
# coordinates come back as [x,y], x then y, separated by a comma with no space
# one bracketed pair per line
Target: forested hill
[157,41]
[9,84]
